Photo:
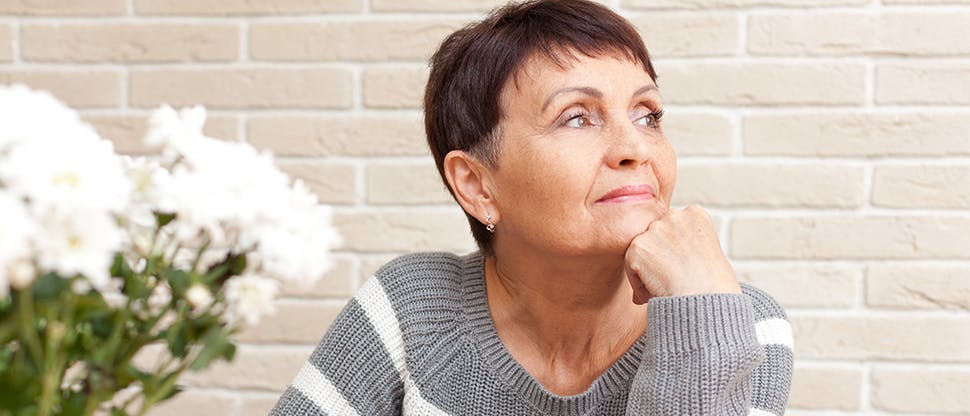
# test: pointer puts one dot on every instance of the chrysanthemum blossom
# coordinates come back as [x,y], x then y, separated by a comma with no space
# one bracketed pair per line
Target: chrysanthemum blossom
[28,116]
[81,174]
[74,242]
[16,227]
[249,297]
[291,246]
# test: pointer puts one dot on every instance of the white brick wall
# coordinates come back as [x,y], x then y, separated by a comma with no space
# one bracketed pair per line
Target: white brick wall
[830,139]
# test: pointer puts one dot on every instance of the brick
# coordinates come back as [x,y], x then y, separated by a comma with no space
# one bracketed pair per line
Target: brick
[405,184]
[825,388]
[401,87]
[435,5]
[400,230]
[699,134]
[803,286]
[192,402]
[850,237]
[894,337]
[127,132]
[344,135]
[924,390]
[922,84]
[63,7]
[83,88]
[918,287]
[673,35]
[254,367]
[129,42]
[413,40]
[915,186]
[258,405]
[924,33]
[857,134]
[333,182]
[245,7]
[709,4]
[296,322]
[913,34]
[339,282]
[6,42]
[775,185]
[762,83]
[243,88]
[816,34]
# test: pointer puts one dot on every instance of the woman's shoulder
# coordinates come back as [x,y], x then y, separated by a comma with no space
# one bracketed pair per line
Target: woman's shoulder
[422,287]
[419,272]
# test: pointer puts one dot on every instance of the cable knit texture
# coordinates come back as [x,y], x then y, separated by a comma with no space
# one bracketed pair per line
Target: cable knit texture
[418,339]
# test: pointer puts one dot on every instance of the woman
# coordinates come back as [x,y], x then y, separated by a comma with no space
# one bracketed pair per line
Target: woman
[588,296]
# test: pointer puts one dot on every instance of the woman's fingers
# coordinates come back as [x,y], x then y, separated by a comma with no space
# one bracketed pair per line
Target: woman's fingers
[640,293]
[679,254]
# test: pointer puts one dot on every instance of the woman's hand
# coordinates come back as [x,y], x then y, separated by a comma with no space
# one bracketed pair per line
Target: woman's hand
[679,254]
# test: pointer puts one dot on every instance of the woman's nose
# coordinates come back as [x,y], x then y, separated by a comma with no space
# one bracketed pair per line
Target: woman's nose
[628,147]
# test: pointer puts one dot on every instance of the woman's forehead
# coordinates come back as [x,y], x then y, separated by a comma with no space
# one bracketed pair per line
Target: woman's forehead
[541,76]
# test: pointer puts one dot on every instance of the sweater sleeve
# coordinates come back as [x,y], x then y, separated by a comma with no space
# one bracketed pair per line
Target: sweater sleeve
[349,373]
[714,354]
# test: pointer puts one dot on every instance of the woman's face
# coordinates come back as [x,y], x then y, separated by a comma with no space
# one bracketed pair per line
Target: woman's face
[583,163]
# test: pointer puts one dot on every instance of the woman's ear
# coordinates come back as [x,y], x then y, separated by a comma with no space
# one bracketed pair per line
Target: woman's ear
[471,183]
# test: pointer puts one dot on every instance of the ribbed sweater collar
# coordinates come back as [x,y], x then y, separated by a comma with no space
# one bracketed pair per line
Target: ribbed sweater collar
[615,380]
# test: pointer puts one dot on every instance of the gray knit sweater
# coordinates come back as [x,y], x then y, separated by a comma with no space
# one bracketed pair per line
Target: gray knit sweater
[418,339]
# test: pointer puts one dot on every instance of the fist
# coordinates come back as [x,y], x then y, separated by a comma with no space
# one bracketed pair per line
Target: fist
[678,255]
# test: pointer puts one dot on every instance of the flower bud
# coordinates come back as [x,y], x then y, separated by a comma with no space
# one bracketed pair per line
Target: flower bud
[199,296]
[21,274]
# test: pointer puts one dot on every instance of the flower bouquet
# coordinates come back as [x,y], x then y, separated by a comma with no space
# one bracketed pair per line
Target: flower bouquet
[104,257]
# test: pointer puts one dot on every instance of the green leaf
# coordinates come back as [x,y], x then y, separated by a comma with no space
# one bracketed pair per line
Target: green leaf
[74,405]
[171,393]
[119,267]
[216,344]
[177,279]
[178,339]
[163,219]
[49,287]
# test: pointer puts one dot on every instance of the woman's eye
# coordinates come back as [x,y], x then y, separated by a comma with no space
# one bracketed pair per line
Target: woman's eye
[579,120]
[650,120]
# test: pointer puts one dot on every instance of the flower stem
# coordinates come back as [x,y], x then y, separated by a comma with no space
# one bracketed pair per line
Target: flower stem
[26,306]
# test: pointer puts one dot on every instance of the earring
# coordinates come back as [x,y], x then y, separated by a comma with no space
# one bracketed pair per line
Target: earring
[488,223]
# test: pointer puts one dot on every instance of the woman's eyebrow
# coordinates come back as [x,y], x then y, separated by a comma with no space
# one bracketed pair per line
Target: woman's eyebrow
[585,90]
[645,89]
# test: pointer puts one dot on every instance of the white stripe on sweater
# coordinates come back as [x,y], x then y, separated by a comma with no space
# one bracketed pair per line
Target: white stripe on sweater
[377,306]
[318,388]
[775,331]
[759,412]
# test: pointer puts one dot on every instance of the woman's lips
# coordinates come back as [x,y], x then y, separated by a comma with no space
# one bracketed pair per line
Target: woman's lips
[629,193]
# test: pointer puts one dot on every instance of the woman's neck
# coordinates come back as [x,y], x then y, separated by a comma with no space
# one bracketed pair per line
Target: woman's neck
[566,320]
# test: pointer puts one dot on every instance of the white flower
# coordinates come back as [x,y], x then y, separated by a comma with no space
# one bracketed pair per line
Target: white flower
[147,178]
[74,376]
[21,274]
[296,246]
[160,297]
[168,127]
[75,242]
[249,297]
[111,292]
[220,187]
[199,296]
[16,227]
[28,116]
[73,174]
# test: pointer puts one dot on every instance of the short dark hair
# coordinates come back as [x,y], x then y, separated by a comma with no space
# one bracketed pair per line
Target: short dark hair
[462,108]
